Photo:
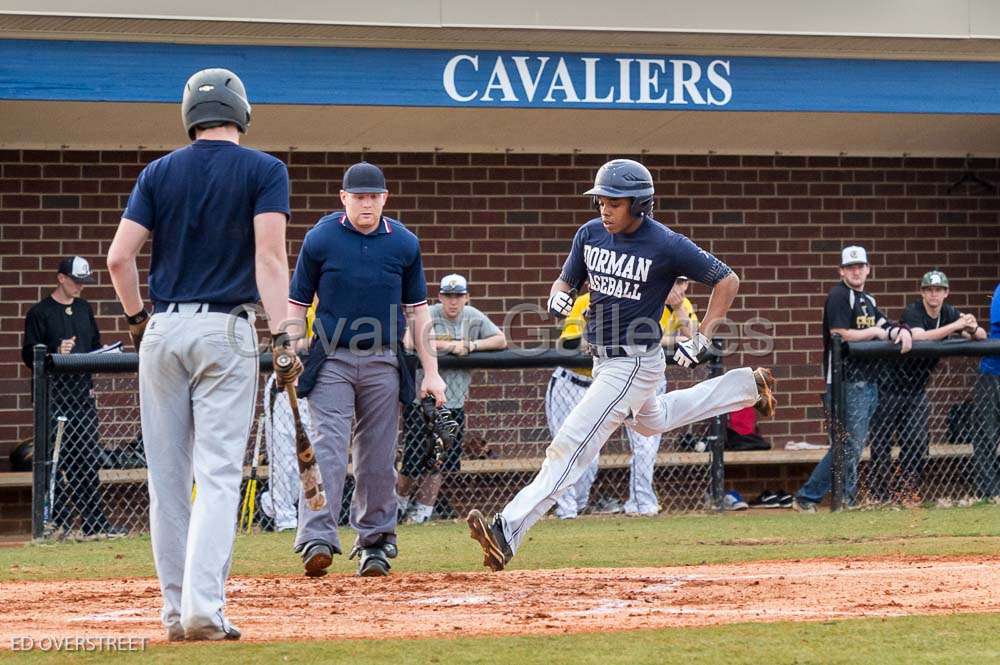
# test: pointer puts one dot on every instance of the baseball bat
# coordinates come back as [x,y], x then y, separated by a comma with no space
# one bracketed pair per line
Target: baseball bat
[309,475]
[50,506]
[250,496]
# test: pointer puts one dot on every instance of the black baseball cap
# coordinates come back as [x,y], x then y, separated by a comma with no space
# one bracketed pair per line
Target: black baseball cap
[76,268]
[364,178]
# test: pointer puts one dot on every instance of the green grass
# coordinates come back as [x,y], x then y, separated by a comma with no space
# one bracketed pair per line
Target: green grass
[969,638]
[587,542]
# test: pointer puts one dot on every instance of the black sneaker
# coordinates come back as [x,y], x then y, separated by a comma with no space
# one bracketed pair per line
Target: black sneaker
[767,499]
[785,500]
[496,551]
[374,560]
[317,557]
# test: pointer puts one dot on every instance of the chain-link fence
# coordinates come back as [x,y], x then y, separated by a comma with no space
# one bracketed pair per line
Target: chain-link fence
[87,409]
[915,428]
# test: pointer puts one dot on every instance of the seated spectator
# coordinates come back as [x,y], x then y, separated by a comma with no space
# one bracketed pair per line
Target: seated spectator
[903,406]
[851,313]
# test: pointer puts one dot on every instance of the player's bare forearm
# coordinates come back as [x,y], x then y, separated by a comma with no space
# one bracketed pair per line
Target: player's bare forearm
[129,239]
[723,295]
[560,286]
[271,264]
[295,320]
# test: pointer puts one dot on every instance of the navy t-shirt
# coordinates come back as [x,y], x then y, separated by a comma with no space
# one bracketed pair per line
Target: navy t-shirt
[909,375]
[199,203]
[630,275]
[362,281]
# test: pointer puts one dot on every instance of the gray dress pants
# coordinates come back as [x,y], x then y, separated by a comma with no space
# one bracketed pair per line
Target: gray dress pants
[362,387]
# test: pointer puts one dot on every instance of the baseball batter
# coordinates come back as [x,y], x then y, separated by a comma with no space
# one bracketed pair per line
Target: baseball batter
[631,262]
[216,212]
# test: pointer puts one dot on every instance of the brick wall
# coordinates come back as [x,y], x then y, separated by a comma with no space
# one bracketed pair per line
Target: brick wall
[505,221]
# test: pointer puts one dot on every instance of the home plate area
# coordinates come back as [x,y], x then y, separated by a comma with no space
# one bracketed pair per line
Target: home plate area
[524,602]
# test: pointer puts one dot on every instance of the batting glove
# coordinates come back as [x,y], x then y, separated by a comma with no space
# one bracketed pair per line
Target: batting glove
[137,326]
[687,352]
[561,303]
[284,373]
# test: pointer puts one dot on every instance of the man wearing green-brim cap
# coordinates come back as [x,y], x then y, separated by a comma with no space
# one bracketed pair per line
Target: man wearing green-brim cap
[903,406]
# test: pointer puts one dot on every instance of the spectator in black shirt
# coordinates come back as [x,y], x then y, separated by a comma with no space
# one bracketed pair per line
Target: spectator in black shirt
[851,313]
[64,323]
[903,407]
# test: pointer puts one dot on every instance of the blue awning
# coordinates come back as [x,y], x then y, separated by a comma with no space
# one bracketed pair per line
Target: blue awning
[155,72]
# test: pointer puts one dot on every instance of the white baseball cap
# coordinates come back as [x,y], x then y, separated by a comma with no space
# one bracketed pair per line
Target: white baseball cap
[853,255]
[77,268]
[454,284]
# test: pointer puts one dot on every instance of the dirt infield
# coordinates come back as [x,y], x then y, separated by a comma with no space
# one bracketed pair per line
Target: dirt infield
[521,602]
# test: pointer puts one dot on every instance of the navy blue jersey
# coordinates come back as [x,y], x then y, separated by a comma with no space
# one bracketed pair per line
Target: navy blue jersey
[630,275]
[362,280]
[199,203]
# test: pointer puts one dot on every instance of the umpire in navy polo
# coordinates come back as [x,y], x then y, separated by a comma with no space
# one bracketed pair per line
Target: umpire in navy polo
[367,272]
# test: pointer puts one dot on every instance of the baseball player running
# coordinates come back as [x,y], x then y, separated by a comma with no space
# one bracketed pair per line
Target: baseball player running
[631,262]
[568,386]
[217,214]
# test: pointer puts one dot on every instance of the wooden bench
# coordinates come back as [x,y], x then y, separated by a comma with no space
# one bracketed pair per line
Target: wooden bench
[531,464]
[745,457]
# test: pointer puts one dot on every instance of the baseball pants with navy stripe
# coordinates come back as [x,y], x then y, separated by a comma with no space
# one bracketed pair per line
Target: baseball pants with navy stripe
[562,395]
[622,388]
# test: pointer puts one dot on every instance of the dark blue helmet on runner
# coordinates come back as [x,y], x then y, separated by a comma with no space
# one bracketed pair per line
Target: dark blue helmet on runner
[625,179]
[213,97]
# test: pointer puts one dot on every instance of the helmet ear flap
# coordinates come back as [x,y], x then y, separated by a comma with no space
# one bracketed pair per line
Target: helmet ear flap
[641,206]
[596,202]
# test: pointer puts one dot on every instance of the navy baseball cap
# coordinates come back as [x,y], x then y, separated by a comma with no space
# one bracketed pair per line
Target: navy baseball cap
[364,178]
[77,269]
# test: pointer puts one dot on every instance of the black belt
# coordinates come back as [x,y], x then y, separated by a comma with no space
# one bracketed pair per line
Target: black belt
[613,351]
[214,308]
[576,379]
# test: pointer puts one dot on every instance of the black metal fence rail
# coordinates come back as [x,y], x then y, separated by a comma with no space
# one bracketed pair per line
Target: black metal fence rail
[520,373]
[930,419]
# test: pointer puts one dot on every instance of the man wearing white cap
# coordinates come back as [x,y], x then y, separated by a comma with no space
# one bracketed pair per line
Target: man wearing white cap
[459,329]
[64,322]
[851,313]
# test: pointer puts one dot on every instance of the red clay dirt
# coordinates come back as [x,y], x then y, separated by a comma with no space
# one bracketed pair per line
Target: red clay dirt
[522,602]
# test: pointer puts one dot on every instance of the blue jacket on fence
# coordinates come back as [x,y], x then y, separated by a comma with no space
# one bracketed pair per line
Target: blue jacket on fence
[991,364]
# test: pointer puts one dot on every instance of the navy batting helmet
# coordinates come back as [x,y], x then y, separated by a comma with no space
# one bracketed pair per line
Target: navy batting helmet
[213,97]
[625,179]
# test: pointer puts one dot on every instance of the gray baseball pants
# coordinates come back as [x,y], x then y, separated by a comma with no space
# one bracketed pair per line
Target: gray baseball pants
[622,387]
[197,388]
[365,387]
